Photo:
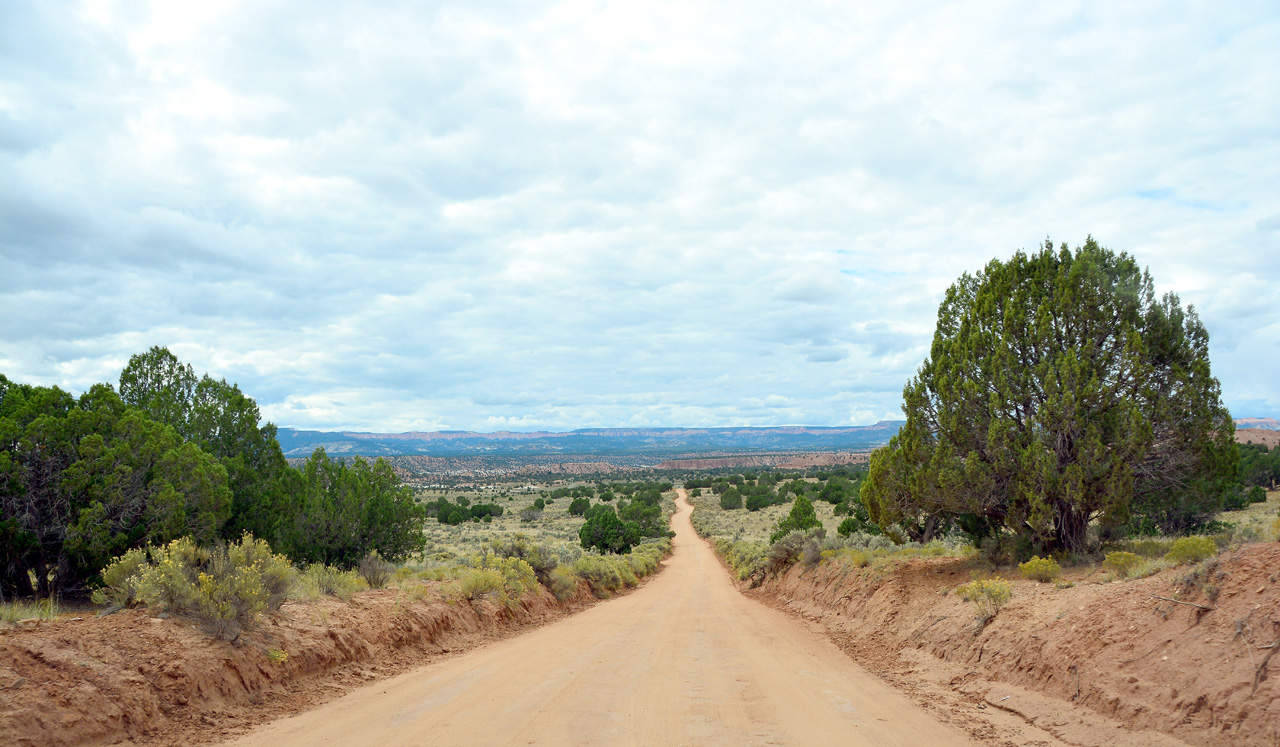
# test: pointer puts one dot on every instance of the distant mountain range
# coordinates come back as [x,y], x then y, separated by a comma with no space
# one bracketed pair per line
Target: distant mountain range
[611,441]
[297,443]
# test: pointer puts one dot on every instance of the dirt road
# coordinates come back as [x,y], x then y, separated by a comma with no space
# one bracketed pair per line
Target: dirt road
[686,659]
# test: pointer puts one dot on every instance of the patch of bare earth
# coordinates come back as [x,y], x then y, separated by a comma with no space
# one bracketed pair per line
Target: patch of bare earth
[1268,438]
[1078,662]
[145,680]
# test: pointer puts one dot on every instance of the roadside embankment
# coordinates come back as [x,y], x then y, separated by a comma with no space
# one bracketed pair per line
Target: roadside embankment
[130,676]
[1187,652]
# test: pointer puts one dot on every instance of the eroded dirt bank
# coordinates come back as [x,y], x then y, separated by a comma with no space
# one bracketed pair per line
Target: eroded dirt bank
[132,677]
[1071,660]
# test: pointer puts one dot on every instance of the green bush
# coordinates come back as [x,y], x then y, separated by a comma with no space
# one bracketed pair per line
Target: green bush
[626,571]
[747,558]
[1040,569]
[847,527]
[605,532]
[1121,563]
[801,518]
[1191,550]
[344,508]
[644,559]
[855,558]
[988,596]
[731,499]
[1148,547]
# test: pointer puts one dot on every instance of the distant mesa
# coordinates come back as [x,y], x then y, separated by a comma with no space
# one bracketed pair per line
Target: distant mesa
[1266,424]
[299,443]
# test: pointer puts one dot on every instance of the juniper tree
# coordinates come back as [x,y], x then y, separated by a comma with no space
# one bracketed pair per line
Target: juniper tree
[1059,389]
[801,518]
[221,420]
[604,531]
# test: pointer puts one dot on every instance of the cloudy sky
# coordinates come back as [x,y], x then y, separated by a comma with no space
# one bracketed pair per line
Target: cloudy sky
[492,215]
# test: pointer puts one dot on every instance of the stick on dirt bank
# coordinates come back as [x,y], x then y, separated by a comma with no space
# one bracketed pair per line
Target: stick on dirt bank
[684,660]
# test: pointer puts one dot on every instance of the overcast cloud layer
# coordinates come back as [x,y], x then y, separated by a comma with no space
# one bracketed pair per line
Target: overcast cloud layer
[528,216]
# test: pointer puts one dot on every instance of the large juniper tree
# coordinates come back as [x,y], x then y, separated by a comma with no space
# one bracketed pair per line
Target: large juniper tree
[224,422]
[1059,390]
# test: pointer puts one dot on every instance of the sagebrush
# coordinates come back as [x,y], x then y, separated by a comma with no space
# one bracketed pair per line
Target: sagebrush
[988,596]
[225,587]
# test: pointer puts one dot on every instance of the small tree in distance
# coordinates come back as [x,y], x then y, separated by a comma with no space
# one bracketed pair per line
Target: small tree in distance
[801,518]
[731,499]
[605,532]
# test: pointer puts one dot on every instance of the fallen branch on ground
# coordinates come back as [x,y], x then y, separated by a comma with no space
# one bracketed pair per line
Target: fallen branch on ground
[1189,604]
[1260,671]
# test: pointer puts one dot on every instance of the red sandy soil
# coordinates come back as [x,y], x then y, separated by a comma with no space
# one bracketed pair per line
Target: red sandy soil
[1073,661]
[130,676]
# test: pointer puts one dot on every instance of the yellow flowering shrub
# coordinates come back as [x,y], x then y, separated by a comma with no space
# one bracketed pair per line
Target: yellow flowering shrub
[988,596]
[1040,569]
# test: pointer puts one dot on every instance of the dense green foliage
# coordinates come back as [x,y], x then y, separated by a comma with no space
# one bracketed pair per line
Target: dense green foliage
[605,532]
[645,509]
[81,481]
[84,480]
[801,518]
[731,499]
[222,421]
[838,490]
[1059,389]
[341,510]
[1259,466]
[456,513]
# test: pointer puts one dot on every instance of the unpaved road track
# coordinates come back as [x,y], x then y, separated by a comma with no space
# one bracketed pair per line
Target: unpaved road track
[686,659]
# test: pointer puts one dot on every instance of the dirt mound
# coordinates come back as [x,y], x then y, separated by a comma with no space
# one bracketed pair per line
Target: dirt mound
[102,680]
[1198,668]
